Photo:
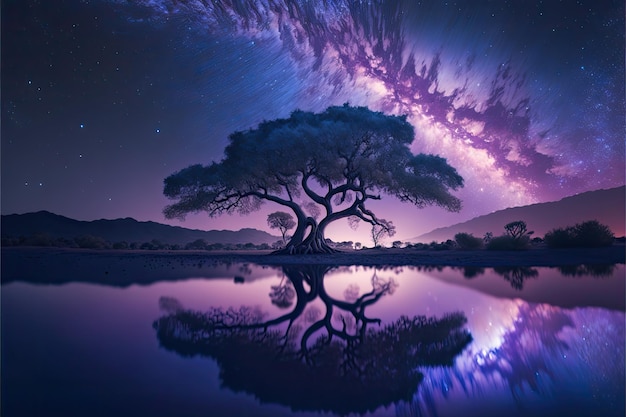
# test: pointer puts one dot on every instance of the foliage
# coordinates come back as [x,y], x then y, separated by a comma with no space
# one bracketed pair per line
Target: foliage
[91,242]
[467,241]
[517,229]
[517,237]
[329,164]
[381,230]
[507,242]
[39,239]
[120,245]
[198,244]
[587,234]
[281,221]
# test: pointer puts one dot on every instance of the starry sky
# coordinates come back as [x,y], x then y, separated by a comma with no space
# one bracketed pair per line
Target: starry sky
[101,100]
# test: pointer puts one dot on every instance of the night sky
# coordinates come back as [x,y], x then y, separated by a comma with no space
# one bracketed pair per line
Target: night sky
[101,100]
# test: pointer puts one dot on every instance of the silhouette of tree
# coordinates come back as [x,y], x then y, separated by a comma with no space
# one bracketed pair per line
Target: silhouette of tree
[332,361]
[517,229]
[381,230]
[339,160]
[281,221]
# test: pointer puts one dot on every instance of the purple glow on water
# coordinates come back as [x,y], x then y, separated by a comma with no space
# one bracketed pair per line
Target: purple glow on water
[86,349]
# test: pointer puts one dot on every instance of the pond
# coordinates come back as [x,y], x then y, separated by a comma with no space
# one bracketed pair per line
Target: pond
[316,340]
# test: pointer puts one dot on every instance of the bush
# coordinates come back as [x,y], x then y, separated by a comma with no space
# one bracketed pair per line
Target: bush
[467,241]
[120,245]
[589,234]
[507,242]
[447,245]
[39,239]
[91,242]
[198,244]
[560,238]
[593,234]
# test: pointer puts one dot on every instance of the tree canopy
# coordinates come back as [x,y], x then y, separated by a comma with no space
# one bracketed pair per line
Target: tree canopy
[281,221]
[337,160]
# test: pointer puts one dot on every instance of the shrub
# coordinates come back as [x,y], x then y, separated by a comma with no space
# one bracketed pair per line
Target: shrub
[507,242]
[560,238]
[8,241]
[91,242]
[593,234]
[198,244]
[447,245]
[39,239]
[588,234]
[467,241]
[120,245]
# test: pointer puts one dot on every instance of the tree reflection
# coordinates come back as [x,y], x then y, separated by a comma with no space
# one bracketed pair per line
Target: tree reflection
[334,359]
[594,270]
[470,272]
[516,275]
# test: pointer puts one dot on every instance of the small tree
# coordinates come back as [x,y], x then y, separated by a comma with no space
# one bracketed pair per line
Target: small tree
[380,231]
[281,221]
[517,229]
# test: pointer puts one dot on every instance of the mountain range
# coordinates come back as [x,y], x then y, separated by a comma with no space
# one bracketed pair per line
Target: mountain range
[606,206]
[128,229]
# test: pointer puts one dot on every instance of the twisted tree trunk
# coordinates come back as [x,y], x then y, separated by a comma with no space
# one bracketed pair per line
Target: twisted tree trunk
[313,243]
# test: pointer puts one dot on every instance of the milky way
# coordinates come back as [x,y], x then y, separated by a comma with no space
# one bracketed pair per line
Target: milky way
[525,99]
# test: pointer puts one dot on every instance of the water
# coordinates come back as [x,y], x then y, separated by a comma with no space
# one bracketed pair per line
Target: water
[473,342]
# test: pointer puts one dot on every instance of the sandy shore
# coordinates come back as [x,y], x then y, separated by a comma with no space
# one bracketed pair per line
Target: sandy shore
[123,268]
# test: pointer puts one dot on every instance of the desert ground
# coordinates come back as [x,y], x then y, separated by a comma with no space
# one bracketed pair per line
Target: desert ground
[122,268]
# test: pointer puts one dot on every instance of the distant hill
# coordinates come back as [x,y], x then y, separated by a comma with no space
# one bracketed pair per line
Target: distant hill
[128,229]
[606,206]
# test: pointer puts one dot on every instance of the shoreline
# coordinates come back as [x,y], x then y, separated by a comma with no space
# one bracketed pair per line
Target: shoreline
[615,254]
[128,267]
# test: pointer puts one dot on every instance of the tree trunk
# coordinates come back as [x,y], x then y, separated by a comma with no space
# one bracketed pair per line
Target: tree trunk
[314,242]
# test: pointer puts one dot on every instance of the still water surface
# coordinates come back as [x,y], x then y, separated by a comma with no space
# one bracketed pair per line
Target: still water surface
[406,341]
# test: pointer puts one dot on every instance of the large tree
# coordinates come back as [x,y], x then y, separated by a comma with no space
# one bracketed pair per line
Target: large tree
[338,159]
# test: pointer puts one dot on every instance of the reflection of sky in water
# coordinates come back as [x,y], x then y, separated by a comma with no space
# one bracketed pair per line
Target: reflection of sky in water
[527,358]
